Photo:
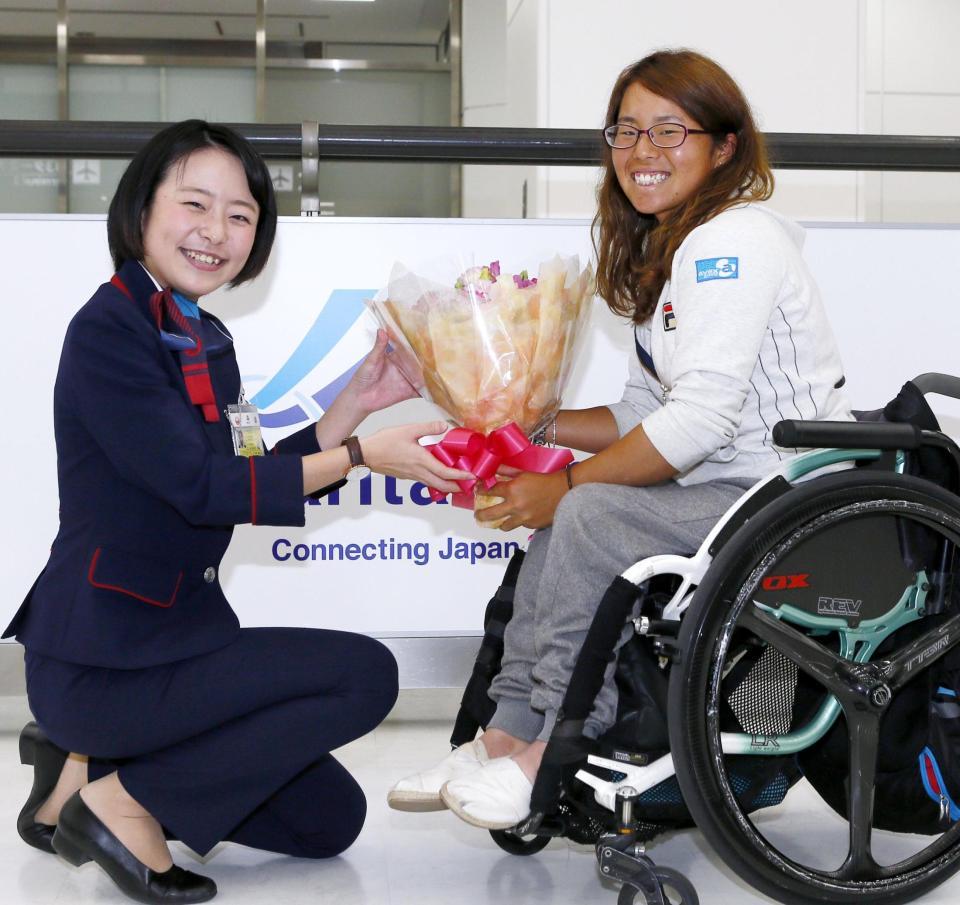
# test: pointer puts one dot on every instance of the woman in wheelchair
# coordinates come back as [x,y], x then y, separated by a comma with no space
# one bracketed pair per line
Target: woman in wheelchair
[731,337]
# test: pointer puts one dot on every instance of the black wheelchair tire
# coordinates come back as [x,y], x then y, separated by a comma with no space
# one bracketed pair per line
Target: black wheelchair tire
[694,747]
[519,845]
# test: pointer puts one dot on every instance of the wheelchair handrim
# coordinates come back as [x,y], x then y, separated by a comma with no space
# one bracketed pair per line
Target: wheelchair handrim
[713,786]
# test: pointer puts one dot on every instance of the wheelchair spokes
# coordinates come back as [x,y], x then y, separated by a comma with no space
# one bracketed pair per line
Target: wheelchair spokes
[863,727]
[922,653]
[838,672]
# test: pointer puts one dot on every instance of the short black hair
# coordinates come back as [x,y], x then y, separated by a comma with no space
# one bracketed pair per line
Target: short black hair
[150,166]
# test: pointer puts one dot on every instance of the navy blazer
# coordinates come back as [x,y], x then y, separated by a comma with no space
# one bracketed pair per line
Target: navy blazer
[149,494]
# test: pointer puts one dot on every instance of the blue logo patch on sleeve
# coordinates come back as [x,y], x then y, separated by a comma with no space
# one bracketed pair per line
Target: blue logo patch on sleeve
[718,269]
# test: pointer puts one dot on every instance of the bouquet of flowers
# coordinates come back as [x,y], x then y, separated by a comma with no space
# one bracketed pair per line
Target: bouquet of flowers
[492,349]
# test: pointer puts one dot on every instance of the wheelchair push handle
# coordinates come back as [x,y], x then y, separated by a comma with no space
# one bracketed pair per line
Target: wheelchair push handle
[942,384]
[847,435]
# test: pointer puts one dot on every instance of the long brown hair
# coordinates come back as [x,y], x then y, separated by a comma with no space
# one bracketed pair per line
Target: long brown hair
[634,250]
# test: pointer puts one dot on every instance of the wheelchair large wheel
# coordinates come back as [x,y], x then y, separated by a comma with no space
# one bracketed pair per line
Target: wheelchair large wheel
[838,594]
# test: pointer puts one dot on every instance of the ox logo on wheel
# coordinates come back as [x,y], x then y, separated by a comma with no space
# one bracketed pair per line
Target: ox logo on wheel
[785,582]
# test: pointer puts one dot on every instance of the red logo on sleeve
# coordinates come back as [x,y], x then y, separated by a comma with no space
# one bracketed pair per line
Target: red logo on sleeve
[669,318]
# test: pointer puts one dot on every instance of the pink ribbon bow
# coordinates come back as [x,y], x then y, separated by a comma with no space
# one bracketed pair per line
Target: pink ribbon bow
[483,455]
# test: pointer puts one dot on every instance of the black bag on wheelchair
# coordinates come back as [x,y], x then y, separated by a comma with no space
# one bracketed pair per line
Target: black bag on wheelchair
[917,788]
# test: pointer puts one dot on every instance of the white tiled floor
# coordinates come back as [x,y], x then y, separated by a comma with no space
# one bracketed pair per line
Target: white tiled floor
[399,859]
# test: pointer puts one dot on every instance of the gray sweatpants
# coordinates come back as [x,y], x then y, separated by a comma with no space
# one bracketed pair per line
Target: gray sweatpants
[598,531]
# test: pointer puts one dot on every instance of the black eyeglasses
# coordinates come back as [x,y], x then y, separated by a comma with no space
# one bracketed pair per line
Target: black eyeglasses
[663,135]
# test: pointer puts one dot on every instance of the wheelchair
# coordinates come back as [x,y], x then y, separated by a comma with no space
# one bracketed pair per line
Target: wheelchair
[799,655]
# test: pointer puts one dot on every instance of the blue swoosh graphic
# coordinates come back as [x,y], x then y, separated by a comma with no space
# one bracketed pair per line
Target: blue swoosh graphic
[285,418]
[343,308]
[324,397]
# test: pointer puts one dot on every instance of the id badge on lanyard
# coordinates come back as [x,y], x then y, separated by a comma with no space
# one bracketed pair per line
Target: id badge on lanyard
[244,420]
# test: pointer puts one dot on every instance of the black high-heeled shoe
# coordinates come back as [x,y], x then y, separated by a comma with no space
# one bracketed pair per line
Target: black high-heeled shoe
[81,836]
[47,761]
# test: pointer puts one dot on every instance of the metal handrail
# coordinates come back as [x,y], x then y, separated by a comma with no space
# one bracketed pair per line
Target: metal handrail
[558,147]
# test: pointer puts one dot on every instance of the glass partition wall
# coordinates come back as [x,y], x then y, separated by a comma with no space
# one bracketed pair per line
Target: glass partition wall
[326,62]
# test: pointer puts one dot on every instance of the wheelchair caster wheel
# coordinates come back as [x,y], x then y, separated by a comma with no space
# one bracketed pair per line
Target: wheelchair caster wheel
[644,882]
[675,889]
[519,845]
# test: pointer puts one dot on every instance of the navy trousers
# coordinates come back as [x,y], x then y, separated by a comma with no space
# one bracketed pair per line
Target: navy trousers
[233,744]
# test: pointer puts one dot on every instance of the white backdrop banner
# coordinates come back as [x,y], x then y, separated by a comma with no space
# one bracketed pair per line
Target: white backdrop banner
[379,557]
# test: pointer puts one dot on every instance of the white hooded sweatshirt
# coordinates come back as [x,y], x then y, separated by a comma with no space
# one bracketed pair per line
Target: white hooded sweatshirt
[739,341]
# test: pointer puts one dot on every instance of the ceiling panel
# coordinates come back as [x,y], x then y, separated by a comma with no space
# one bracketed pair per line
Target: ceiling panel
[400,21]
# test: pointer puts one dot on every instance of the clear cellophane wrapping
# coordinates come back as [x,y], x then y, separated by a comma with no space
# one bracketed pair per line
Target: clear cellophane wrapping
[489,347]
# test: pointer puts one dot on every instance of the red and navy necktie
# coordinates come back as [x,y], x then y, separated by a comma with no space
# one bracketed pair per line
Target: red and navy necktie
[193,361]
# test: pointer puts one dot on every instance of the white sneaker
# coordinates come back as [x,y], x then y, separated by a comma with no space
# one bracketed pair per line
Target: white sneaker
[421,791]
[494,797]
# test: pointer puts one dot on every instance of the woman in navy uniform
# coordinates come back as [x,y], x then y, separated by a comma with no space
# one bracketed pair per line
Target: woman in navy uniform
[156,714]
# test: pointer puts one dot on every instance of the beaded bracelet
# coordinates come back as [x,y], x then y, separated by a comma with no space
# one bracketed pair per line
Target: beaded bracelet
[569,471]
[540,437]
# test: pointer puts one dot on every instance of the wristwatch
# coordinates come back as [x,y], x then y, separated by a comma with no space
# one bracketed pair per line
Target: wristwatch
[358,469]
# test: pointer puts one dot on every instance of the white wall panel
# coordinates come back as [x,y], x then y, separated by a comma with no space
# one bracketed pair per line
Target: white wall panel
[497,191]
[873,45]
[921,114]
[797,63]
[816,194]
[568,191]
[912,197]
[920,197]
[798,74]
[920,45]
[890,293]
[484,53]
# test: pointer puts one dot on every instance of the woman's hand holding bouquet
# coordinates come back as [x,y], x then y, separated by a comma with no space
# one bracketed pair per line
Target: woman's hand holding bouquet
[494,351]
